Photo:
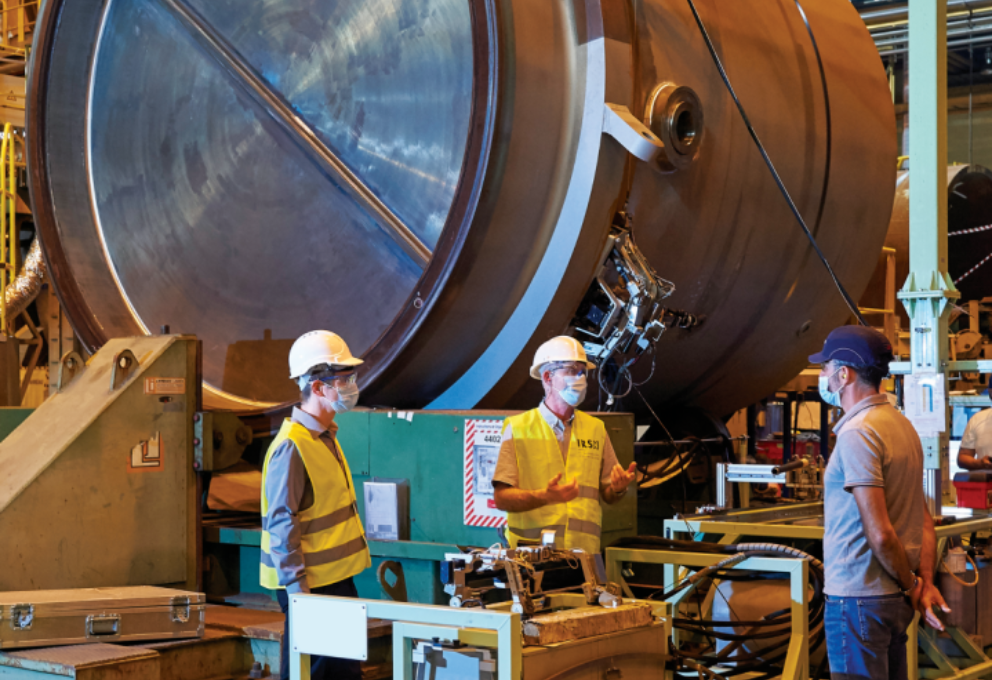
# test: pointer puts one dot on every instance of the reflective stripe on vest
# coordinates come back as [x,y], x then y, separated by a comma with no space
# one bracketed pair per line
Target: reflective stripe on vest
[539,460]
[332,539]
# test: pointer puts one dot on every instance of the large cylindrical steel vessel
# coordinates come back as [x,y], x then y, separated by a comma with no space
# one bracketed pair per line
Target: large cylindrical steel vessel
[432,180]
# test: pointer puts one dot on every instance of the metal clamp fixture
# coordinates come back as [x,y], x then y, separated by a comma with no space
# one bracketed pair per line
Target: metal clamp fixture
[219,439]
[469,576]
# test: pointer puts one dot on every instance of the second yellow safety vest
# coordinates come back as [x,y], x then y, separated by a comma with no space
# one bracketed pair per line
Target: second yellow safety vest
[577,523]
[332,539]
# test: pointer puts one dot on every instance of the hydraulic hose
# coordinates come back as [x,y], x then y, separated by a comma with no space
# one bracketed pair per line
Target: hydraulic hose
[775,625]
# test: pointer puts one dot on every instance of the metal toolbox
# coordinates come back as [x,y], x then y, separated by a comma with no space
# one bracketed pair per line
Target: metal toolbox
[39,618]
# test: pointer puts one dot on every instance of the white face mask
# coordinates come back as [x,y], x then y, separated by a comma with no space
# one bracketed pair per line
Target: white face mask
[828,397]
[575,390]
[347,398]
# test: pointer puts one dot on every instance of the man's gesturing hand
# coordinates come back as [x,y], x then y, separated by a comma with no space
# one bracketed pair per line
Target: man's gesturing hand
[620,479]
[923,598]
[560,493]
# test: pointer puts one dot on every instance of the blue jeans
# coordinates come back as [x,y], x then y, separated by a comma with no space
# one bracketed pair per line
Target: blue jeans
[866,637]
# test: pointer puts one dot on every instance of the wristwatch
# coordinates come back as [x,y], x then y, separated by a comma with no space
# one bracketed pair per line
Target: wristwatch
[916,582]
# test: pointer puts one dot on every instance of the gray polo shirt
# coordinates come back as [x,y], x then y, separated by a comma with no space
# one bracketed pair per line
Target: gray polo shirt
[876,446]
[289,491]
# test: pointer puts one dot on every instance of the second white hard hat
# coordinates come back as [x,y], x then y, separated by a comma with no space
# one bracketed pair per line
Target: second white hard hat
[318,348]
[562,348]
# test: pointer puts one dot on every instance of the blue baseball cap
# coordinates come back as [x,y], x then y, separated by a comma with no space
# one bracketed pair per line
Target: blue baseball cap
[856,345]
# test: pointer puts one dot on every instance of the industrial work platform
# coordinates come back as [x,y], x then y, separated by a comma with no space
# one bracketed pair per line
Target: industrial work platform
[955,654]
[802,521]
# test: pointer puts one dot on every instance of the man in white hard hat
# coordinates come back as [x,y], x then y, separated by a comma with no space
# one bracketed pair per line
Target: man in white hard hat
[557,463]
[312,536]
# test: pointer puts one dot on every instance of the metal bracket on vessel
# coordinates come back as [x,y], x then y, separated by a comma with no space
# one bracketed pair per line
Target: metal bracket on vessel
[633,135]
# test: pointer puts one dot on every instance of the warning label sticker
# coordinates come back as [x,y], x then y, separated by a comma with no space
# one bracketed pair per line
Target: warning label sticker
[165,385]
[147,456]
[482,442]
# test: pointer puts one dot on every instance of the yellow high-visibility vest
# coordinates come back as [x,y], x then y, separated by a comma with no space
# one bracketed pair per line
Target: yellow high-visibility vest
[577,523]
[332,539]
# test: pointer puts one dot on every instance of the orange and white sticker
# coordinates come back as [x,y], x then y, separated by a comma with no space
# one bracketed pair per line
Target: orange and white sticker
[147,456]
[165,386]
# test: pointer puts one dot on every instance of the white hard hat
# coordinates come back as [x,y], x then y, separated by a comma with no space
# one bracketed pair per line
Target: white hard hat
[562,348]
[318,348]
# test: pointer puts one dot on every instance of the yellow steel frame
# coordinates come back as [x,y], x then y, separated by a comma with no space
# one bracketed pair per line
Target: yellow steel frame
[495,627]
[8,222]
[797,658]
[15,21]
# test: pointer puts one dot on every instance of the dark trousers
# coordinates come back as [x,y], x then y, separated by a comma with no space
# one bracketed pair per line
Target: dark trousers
[866,637]
[321,667]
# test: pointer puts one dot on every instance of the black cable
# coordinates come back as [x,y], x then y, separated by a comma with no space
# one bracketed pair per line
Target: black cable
[829,122]
[776,624]
[768,161]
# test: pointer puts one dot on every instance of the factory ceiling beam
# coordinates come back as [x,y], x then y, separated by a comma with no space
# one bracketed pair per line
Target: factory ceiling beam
[300,131]
[900,13]
[968,23]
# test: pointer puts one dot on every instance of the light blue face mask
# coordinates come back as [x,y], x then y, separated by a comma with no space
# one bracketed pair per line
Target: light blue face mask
[575,390]
[828,397]
[347,398]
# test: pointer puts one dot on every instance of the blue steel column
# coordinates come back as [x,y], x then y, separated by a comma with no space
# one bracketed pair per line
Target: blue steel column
[929,289]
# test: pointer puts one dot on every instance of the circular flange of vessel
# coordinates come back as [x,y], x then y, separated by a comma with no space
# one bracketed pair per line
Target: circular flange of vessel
[675,115]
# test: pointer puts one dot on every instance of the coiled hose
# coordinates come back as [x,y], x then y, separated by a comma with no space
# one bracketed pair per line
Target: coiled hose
[777,624]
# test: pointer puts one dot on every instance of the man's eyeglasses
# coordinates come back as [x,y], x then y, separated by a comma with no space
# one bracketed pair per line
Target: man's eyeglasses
[337,381]
[572,371]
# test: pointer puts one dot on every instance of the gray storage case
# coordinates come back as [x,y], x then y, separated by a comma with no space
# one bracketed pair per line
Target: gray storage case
[40,618]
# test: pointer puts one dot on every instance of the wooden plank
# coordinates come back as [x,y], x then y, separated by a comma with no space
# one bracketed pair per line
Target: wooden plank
[240,619]
[584,622]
